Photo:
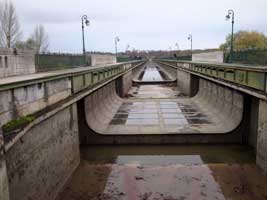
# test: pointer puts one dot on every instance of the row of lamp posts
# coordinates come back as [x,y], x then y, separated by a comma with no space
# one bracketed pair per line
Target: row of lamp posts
[230,15]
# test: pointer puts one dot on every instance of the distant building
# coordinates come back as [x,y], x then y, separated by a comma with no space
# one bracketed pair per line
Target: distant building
[15,62]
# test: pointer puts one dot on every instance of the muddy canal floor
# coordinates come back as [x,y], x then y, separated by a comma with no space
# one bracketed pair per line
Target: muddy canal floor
[172,172]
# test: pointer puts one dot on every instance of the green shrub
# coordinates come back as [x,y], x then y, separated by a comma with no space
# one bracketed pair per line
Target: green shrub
[17,123]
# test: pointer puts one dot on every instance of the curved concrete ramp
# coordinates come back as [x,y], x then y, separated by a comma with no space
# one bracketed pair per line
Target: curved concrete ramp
[215,110]
[223,105]
[101,106]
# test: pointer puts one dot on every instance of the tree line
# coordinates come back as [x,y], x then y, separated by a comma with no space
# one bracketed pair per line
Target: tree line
[246,40]
[11,34]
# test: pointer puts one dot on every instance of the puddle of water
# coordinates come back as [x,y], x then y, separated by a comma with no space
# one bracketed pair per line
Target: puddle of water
[152,74]
[147,172]
[209,154]
[154,91]
[159,160]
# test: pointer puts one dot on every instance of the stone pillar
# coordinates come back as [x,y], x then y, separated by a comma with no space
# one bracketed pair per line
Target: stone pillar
[127,79]
[262,136]
[4,192]
[187,83]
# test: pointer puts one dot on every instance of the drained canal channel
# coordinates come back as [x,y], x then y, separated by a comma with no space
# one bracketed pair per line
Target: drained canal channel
[126,167]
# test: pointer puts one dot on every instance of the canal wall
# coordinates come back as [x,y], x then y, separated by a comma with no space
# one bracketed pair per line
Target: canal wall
[262,136]
[4,191]
[222,103]
[42,160]
[97,110]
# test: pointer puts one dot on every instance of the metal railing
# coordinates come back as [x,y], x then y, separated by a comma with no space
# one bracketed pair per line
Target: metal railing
[250,76]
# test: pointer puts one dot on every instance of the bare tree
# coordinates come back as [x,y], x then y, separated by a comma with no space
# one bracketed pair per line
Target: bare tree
[9,24]
[40,39]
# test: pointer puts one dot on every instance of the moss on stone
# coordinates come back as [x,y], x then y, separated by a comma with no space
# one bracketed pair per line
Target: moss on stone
[17,123]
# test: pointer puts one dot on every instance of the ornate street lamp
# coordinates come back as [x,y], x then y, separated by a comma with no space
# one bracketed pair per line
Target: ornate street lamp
[87,23]
[231,14]
[117,39]
[190,37]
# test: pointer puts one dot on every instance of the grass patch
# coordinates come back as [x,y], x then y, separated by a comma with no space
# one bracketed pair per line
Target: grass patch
[17,123]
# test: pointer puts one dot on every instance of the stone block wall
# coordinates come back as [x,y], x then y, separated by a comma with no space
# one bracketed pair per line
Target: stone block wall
[16,62]
[40,163]
[215,57]
[102,59]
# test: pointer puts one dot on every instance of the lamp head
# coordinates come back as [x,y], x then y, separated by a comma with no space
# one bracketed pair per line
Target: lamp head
[227,17]
[87,22]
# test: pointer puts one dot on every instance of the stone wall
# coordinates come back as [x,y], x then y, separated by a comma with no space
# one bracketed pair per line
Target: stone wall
[102,59]
[215,57]
[40,163]
[4,192]
[16,62]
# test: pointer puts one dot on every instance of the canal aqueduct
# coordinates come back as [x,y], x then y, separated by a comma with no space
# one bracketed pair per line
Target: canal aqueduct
[221,103]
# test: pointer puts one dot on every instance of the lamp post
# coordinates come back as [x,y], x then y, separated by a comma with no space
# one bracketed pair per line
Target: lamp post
[178,48]
[231,14]
[127,47]
[87,23]
[117,39]
[190,37]
[264,52]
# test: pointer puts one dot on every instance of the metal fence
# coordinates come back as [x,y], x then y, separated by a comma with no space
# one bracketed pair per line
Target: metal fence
[255,57]
[46,62]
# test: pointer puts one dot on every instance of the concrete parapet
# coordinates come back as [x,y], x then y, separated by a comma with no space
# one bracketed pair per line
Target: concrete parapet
[21,101]
[15,62]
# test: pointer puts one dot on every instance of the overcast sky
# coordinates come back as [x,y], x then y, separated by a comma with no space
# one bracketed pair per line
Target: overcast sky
[143,24]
